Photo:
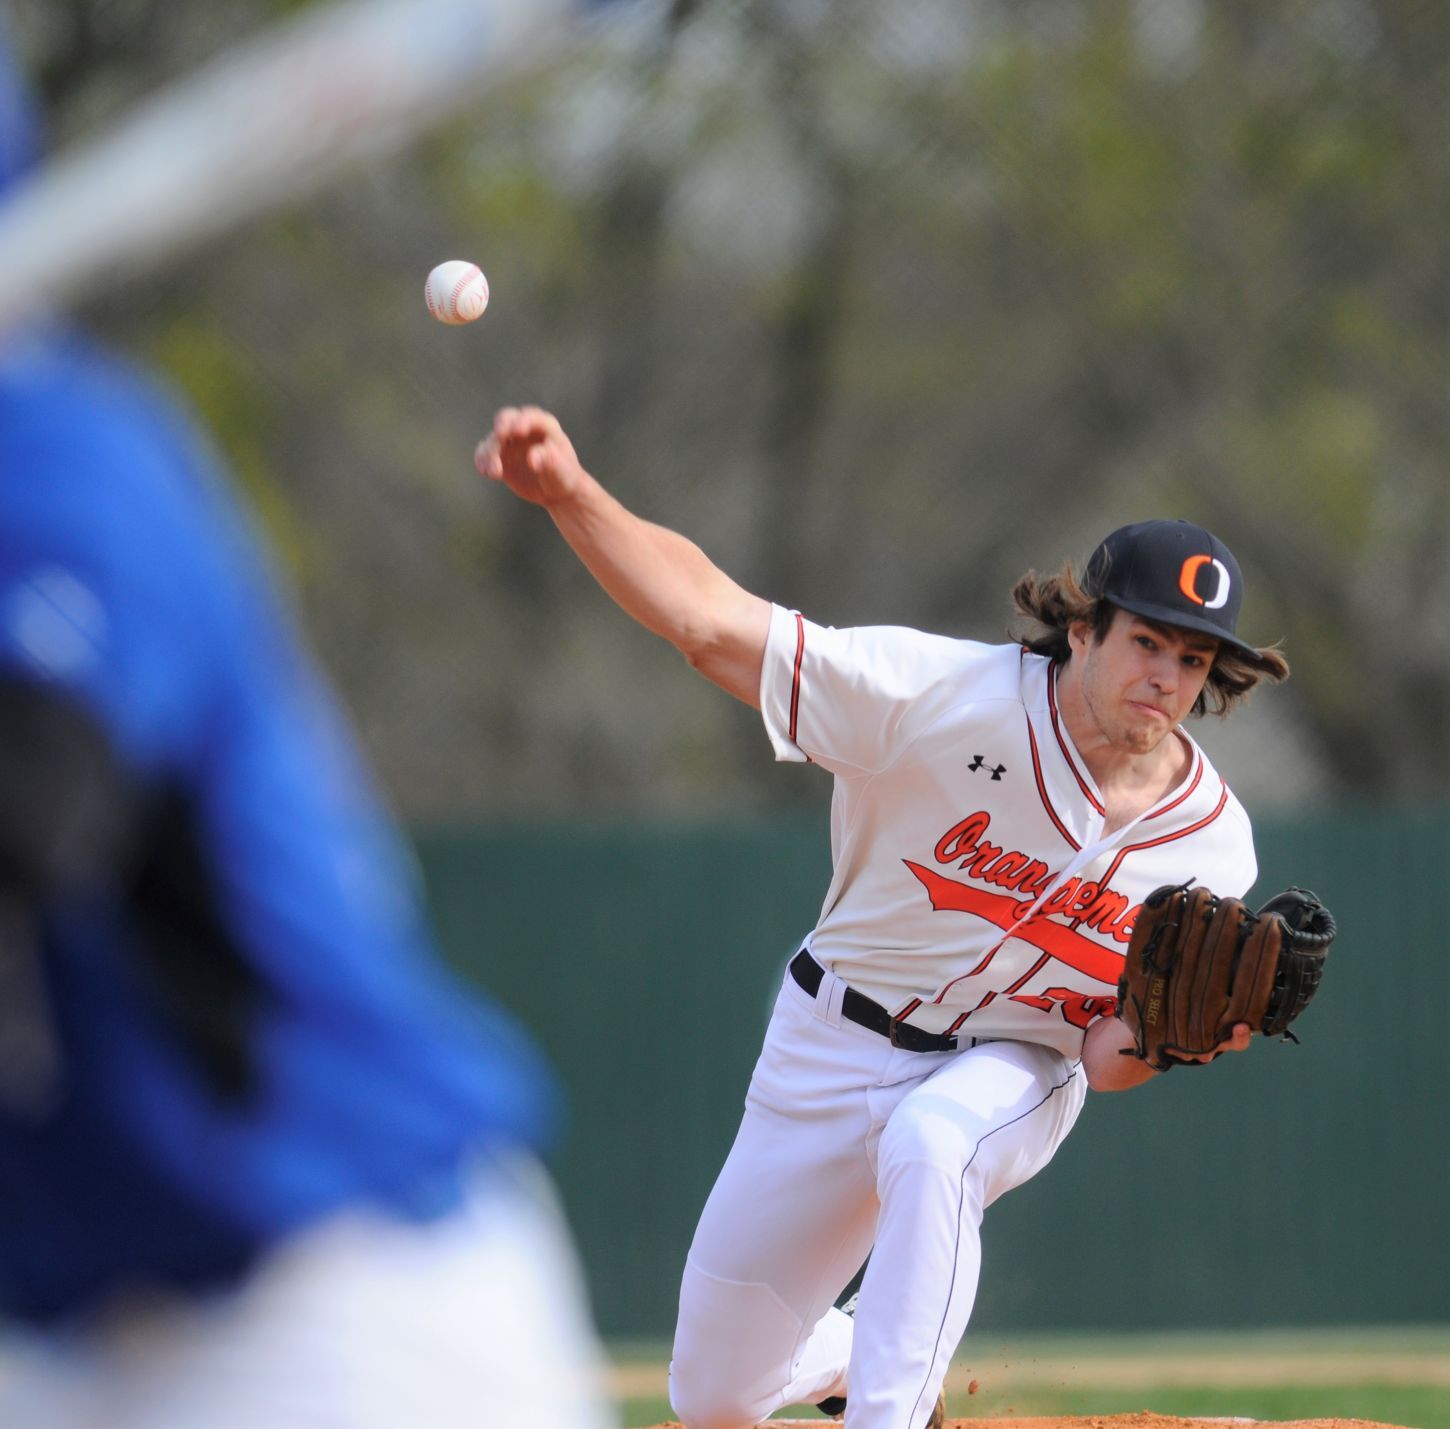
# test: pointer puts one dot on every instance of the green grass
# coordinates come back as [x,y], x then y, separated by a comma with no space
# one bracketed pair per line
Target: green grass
[1396,1376]
[1405,1406]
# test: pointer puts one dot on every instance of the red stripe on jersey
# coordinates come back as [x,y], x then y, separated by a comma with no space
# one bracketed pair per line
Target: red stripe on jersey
[1065,944]
[1192,785]
[981,966]
[795,680]
[1027,976]
[1042,791]
[1063,745]
[1182,833]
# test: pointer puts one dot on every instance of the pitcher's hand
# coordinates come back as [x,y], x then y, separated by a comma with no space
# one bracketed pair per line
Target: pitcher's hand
[528,451]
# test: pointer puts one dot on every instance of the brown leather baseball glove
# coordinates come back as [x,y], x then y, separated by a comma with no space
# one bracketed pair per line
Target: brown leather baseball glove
[1197,964]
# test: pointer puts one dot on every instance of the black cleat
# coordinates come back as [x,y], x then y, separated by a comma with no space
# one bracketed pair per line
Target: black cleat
[835,1405]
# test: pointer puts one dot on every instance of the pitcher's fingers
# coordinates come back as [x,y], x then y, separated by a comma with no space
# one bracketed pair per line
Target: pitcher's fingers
[536,423]
[1238,1039]
[509,423]
[486,459]
[542,457]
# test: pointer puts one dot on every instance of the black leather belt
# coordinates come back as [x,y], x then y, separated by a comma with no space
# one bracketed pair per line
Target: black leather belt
[858,1008]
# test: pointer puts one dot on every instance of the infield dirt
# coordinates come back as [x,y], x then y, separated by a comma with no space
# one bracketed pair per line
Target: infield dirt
[1109,1421]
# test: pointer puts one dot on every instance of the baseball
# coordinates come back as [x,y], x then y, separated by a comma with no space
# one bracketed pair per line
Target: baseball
[456,292]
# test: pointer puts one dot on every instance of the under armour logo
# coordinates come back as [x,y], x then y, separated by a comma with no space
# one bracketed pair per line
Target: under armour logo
[996,771]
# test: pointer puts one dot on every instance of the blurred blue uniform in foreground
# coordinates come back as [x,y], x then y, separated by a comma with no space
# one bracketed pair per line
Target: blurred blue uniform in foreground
[248,1028]
[263,1161]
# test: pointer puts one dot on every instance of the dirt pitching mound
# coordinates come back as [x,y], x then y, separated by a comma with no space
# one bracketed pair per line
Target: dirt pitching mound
[1105,1421]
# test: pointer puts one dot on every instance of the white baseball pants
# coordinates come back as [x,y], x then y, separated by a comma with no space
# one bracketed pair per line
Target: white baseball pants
[849,1145]
[475,1321]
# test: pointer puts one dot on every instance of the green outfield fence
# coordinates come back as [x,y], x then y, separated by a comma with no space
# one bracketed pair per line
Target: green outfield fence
[1290,1186]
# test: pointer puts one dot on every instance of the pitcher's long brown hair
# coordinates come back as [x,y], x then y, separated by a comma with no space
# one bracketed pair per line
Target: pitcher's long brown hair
[1058,602]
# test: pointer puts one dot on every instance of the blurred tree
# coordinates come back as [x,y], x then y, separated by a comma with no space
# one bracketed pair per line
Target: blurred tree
[882,304]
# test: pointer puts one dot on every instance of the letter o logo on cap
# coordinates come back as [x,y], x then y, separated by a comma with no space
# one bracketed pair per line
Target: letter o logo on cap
[1188,578]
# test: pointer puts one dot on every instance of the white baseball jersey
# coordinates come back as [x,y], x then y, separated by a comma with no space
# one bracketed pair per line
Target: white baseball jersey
[974,890]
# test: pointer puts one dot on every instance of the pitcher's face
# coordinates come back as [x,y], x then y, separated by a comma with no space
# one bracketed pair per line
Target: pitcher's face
[1142,679]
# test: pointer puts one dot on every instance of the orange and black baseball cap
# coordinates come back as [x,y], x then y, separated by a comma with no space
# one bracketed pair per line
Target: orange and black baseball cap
[1173,572]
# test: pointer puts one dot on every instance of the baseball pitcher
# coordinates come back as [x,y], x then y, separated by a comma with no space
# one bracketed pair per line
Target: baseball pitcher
[1007,926]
